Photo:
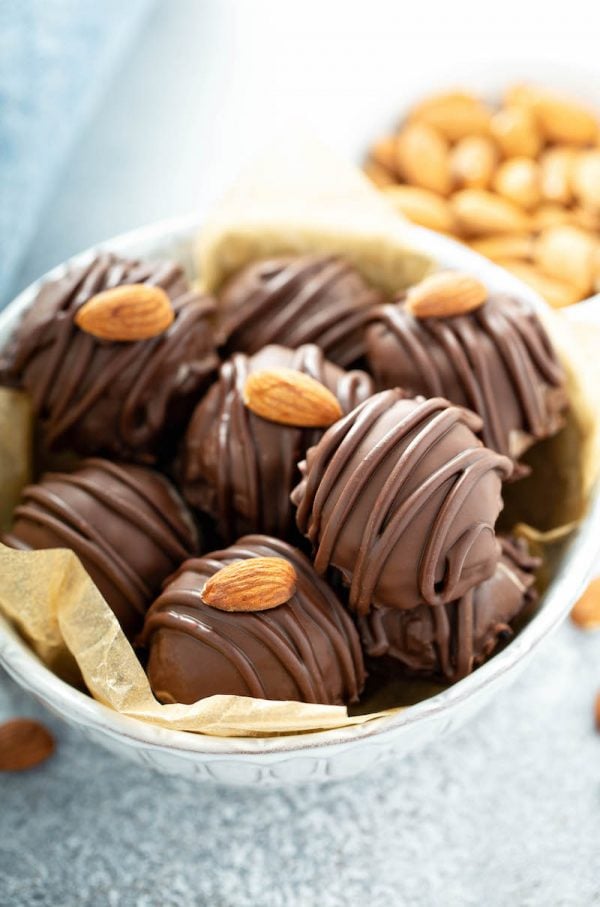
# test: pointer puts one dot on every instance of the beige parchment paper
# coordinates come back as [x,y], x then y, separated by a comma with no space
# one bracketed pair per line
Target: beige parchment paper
[56,607]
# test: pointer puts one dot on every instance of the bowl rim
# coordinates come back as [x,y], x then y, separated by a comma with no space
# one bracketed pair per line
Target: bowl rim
[72,704]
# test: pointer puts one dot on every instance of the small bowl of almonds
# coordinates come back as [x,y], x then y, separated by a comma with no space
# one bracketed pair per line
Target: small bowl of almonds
[517,181]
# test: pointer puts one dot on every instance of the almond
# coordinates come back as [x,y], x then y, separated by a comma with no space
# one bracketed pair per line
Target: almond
[569,254]
[256,584]
[135,311]
[422,158]
[516,132]
[378,174]
[556,166]
[551,215]
[586,218]
[24,743]
[291,398]
[455,114]
[383,152]
[422,206]
[479,212]
[586,179]
[473,160]
[518,180]
[500,247]
[558,293]
[586,611]
[445,294]
[561,119]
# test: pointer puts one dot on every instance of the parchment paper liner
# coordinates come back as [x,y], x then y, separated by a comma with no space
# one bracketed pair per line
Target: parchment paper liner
[55,605]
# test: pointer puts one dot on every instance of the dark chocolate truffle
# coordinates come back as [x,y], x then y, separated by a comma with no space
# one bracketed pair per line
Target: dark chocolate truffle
[496,360]
[311,299]
[128,526]
[449,641]
[122,399]
[401,497]
[241,468]
[306,649]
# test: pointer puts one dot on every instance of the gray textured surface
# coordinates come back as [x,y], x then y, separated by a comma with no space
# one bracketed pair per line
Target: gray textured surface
[506,812]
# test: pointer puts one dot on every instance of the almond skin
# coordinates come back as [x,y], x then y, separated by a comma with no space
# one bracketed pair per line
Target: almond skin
[479,213]
[256,584]
[560,118]
[445,294]
[422,158]
[516,132]
[473,161]
[586,612]
[291,398]
[24,743]
[569,254]
[135,311]
[421,206]
[455,114]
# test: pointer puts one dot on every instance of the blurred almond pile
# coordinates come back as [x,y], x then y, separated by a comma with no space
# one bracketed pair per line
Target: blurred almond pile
[519,183]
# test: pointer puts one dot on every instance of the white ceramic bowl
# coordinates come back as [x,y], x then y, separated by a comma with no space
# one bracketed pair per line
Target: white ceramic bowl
[332,754]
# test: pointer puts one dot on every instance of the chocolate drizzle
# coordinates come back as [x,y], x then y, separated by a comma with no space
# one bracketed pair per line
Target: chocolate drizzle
[117,398]
[306,649]
[449,641]
[497,361]
[241,468]
[126,524]
[312,299]
[402,498]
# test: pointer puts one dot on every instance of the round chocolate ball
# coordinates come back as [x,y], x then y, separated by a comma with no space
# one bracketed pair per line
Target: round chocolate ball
[496,360]
[449,641]
[127,525]
[239,467]
[126,400]
[306,649]
[310,299]
[401,497]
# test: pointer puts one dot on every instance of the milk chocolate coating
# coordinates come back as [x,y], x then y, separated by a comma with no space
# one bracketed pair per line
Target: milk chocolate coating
[449,641]
[120,399]
[311,299]
[497,361]
[241,468]
[128,526]
[401,497]
[306,649]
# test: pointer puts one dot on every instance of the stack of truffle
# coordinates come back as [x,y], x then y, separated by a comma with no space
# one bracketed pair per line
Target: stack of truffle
[344,453]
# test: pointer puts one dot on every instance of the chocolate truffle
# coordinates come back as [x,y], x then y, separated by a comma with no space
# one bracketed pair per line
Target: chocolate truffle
[449,641]
[127,525]
[306,649]
[122,399]
[496,360]
[311,299]
[240,468]
[401,497]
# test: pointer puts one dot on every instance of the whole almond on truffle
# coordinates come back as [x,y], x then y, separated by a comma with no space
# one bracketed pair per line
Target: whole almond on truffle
[135,311]
[445,294]
[291,398]
[256,584]
[24,743]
